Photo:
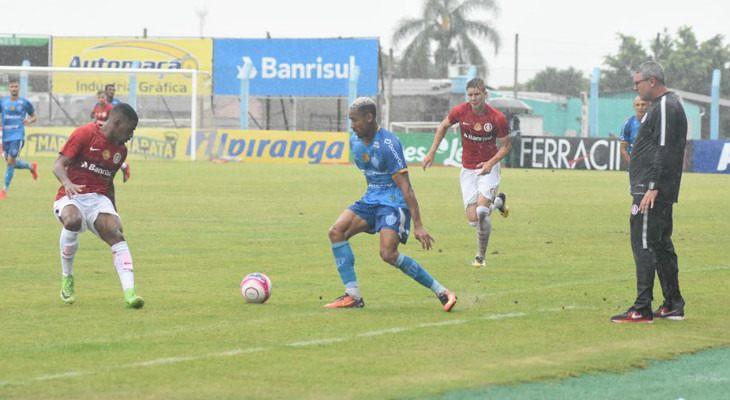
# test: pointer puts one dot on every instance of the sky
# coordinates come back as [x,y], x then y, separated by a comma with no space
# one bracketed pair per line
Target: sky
[552,33]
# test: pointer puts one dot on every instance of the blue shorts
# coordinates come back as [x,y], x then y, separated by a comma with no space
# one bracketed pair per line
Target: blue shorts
[384,217]
[12,148]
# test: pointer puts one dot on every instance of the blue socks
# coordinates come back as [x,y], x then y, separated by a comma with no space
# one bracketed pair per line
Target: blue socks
[345,260]
[19,164]
[411,268]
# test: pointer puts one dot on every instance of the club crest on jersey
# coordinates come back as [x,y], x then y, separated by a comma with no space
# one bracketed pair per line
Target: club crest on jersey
[106,154]
[366,157]
[634,209]
[117,158]
[488,127]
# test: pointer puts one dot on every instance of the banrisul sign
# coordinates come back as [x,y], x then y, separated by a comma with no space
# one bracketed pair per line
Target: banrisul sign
[296,67]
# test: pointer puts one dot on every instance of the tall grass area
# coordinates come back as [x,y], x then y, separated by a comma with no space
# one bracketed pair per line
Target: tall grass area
[557,269]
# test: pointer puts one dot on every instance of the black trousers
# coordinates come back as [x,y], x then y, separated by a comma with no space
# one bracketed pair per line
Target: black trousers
[651,242]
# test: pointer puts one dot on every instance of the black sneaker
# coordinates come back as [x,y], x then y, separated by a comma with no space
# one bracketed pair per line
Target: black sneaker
[634,315]
[503,209]
[666,312]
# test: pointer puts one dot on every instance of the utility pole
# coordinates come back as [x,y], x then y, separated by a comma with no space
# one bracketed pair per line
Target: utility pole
[201,17]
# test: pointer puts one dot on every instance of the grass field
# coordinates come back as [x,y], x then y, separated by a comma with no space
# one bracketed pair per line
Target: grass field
[558,268]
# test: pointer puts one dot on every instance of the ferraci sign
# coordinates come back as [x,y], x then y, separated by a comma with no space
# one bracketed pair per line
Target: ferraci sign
[296,67]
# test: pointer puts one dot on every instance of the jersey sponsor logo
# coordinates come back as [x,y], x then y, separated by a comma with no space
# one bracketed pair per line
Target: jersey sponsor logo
[397,157]
[477,138]
[94,168]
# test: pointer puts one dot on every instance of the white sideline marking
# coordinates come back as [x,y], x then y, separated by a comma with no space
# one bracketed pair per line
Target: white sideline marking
[236,352]
[503,316]
[316,342]
[162,361]
[381,332]
[442,323]
[69,374]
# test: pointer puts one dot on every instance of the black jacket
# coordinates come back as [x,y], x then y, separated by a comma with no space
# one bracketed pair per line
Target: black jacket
[658,153]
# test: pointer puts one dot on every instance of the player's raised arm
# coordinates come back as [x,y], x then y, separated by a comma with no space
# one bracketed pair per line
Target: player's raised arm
[59,169]
[409,196]
[440,133]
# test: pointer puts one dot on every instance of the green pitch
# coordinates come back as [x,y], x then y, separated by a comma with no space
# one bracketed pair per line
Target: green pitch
[557,269]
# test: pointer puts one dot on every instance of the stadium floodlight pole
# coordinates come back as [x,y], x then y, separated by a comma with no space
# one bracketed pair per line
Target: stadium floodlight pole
[194,116]
[715,104]
[352,87]
[593,116]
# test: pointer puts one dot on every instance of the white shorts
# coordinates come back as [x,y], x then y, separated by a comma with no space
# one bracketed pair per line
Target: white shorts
[472,184]
[90,205]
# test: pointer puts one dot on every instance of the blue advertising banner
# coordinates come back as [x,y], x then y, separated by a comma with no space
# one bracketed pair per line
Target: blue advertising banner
[712,156]
[296,67]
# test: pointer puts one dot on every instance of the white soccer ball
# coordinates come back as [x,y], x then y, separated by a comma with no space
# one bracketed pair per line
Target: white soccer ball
[256,288]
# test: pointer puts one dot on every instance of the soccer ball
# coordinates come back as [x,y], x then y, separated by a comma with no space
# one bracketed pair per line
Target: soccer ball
[256,288]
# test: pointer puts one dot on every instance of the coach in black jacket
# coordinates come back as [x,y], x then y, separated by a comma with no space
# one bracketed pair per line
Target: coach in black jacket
[655,173]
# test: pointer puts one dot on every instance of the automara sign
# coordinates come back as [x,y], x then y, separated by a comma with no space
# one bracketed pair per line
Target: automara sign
[296,67]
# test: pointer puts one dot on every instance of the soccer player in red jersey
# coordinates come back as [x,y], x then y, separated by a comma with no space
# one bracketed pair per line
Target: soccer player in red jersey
[481,127]
[101,110]
[86,167]
[100,114]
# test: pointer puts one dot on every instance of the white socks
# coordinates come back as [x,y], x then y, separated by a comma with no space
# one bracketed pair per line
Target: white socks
[484,229]
[69,243]
[123,264]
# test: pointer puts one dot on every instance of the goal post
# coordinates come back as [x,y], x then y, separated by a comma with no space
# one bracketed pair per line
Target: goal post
[163,98]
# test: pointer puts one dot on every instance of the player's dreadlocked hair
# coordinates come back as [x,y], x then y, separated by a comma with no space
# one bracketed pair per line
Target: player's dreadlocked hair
[364,105]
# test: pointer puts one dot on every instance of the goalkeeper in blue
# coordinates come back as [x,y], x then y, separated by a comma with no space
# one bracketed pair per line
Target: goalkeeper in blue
[387,207]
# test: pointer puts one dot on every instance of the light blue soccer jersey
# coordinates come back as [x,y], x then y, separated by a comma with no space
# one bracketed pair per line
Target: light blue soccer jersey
[379,161]
[629,131]
[13,113]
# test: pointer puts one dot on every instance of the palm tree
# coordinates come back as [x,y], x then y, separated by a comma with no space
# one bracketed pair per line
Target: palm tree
[445,24]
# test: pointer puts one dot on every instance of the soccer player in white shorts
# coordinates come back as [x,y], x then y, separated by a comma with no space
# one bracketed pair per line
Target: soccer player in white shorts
[86,166]
[481,128]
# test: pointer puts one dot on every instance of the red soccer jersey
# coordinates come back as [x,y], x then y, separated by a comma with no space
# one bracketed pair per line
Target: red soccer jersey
[101,113]
[479,133]
[94,159]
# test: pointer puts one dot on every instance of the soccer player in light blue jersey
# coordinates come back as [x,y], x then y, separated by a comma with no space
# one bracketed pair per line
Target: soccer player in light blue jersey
[631,128]
[387,207]
[17,112]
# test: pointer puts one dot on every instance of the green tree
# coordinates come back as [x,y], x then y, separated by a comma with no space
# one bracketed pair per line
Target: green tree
[618,76]
[444,35]
[568,81]
[688,64]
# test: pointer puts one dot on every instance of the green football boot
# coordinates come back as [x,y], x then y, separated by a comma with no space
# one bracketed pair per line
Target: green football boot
[132,300]
[67,289]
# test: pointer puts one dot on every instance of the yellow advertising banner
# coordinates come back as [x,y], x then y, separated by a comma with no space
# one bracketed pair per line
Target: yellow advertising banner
[226,145]
[274,146]
[147,143]
[170,54]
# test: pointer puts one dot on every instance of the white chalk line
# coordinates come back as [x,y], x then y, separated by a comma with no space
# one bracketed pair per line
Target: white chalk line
[320,342]
[249,350]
